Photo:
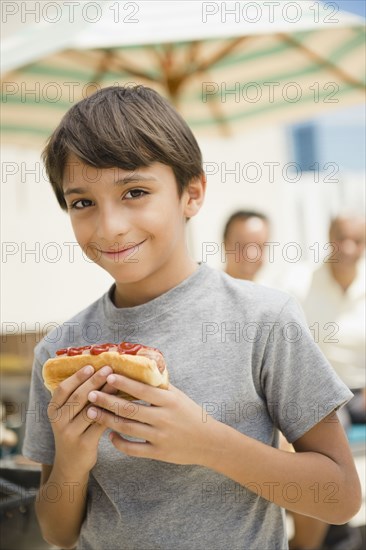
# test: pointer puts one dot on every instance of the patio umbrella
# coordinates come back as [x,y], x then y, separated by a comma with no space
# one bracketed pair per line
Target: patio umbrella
[226,66]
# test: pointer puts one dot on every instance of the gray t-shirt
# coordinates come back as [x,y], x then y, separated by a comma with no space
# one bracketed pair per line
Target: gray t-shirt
[240,350]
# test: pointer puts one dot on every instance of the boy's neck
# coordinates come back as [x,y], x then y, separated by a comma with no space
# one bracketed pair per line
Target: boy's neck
[135,294]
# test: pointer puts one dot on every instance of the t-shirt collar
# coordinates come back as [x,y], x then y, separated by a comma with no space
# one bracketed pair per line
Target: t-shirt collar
[159,305]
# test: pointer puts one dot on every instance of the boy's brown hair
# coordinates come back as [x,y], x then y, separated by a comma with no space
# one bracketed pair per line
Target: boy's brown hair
[123,127]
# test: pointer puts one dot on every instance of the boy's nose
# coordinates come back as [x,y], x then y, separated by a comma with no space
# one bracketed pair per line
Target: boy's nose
[111,224]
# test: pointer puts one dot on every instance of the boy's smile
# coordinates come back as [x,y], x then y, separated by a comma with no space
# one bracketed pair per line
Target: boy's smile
[132,224]
[120,253]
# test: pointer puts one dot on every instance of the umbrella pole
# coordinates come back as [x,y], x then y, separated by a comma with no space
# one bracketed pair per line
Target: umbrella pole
[340,73]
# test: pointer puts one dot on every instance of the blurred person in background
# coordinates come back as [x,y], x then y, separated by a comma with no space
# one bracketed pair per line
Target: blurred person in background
[251,255]
[334,306]
[334,302]
[245,235]
[336,292]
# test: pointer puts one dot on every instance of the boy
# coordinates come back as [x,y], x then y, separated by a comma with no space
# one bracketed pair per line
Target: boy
[205,471]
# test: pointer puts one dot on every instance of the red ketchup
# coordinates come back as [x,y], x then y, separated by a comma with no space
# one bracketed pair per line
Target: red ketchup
[128,347]
[72,351]
[122,348]
[100,348]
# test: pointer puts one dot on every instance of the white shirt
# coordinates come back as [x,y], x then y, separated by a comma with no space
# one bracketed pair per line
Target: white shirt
[336,319]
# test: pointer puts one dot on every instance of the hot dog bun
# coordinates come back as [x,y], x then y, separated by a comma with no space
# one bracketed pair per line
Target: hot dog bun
[137,367]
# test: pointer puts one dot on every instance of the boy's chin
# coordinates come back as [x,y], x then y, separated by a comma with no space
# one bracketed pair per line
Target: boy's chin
[127,274]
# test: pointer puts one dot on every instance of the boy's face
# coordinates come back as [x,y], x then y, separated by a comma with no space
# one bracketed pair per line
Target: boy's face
[132,224]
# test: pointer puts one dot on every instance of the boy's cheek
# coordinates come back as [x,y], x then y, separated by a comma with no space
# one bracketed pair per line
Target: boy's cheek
[93,253]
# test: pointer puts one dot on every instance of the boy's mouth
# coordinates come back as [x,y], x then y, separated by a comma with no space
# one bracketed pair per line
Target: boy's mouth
[121,253]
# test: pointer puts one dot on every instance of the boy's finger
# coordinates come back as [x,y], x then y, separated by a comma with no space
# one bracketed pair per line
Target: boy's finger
[94,431]
[131,428]
[141,391]
[76,387]
[121,407]
[107,388]
[81,422]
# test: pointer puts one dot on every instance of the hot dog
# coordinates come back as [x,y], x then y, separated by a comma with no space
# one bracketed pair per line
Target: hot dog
[142,363]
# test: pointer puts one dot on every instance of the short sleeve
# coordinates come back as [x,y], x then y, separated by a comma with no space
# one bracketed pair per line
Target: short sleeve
[300,386]
[39,443]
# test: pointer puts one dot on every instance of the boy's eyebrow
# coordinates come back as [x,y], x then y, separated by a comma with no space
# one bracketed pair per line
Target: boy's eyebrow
[131,178]
[136,177]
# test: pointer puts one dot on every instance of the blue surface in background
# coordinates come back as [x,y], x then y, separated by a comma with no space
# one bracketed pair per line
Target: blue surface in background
[338,136]
[357,433]
[353,6]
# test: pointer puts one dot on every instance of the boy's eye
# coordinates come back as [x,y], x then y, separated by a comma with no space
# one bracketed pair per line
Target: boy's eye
[80,204]
[135,193]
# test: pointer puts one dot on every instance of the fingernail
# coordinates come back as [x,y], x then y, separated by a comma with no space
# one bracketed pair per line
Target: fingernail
[89,369]
[105,370]
[92,396]
[111,379]
[92,413]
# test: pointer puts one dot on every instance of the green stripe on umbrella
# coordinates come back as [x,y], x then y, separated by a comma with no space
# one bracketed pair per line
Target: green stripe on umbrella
[331,55]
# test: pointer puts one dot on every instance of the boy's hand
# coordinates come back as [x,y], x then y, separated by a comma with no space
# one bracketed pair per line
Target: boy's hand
[174,427]
[76,435]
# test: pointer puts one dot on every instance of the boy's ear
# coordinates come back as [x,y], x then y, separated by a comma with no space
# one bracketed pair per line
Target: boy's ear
[194,195]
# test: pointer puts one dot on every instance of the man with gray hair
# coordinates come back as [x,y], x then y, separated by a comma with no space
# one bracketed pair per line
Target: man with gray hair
[335,307]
